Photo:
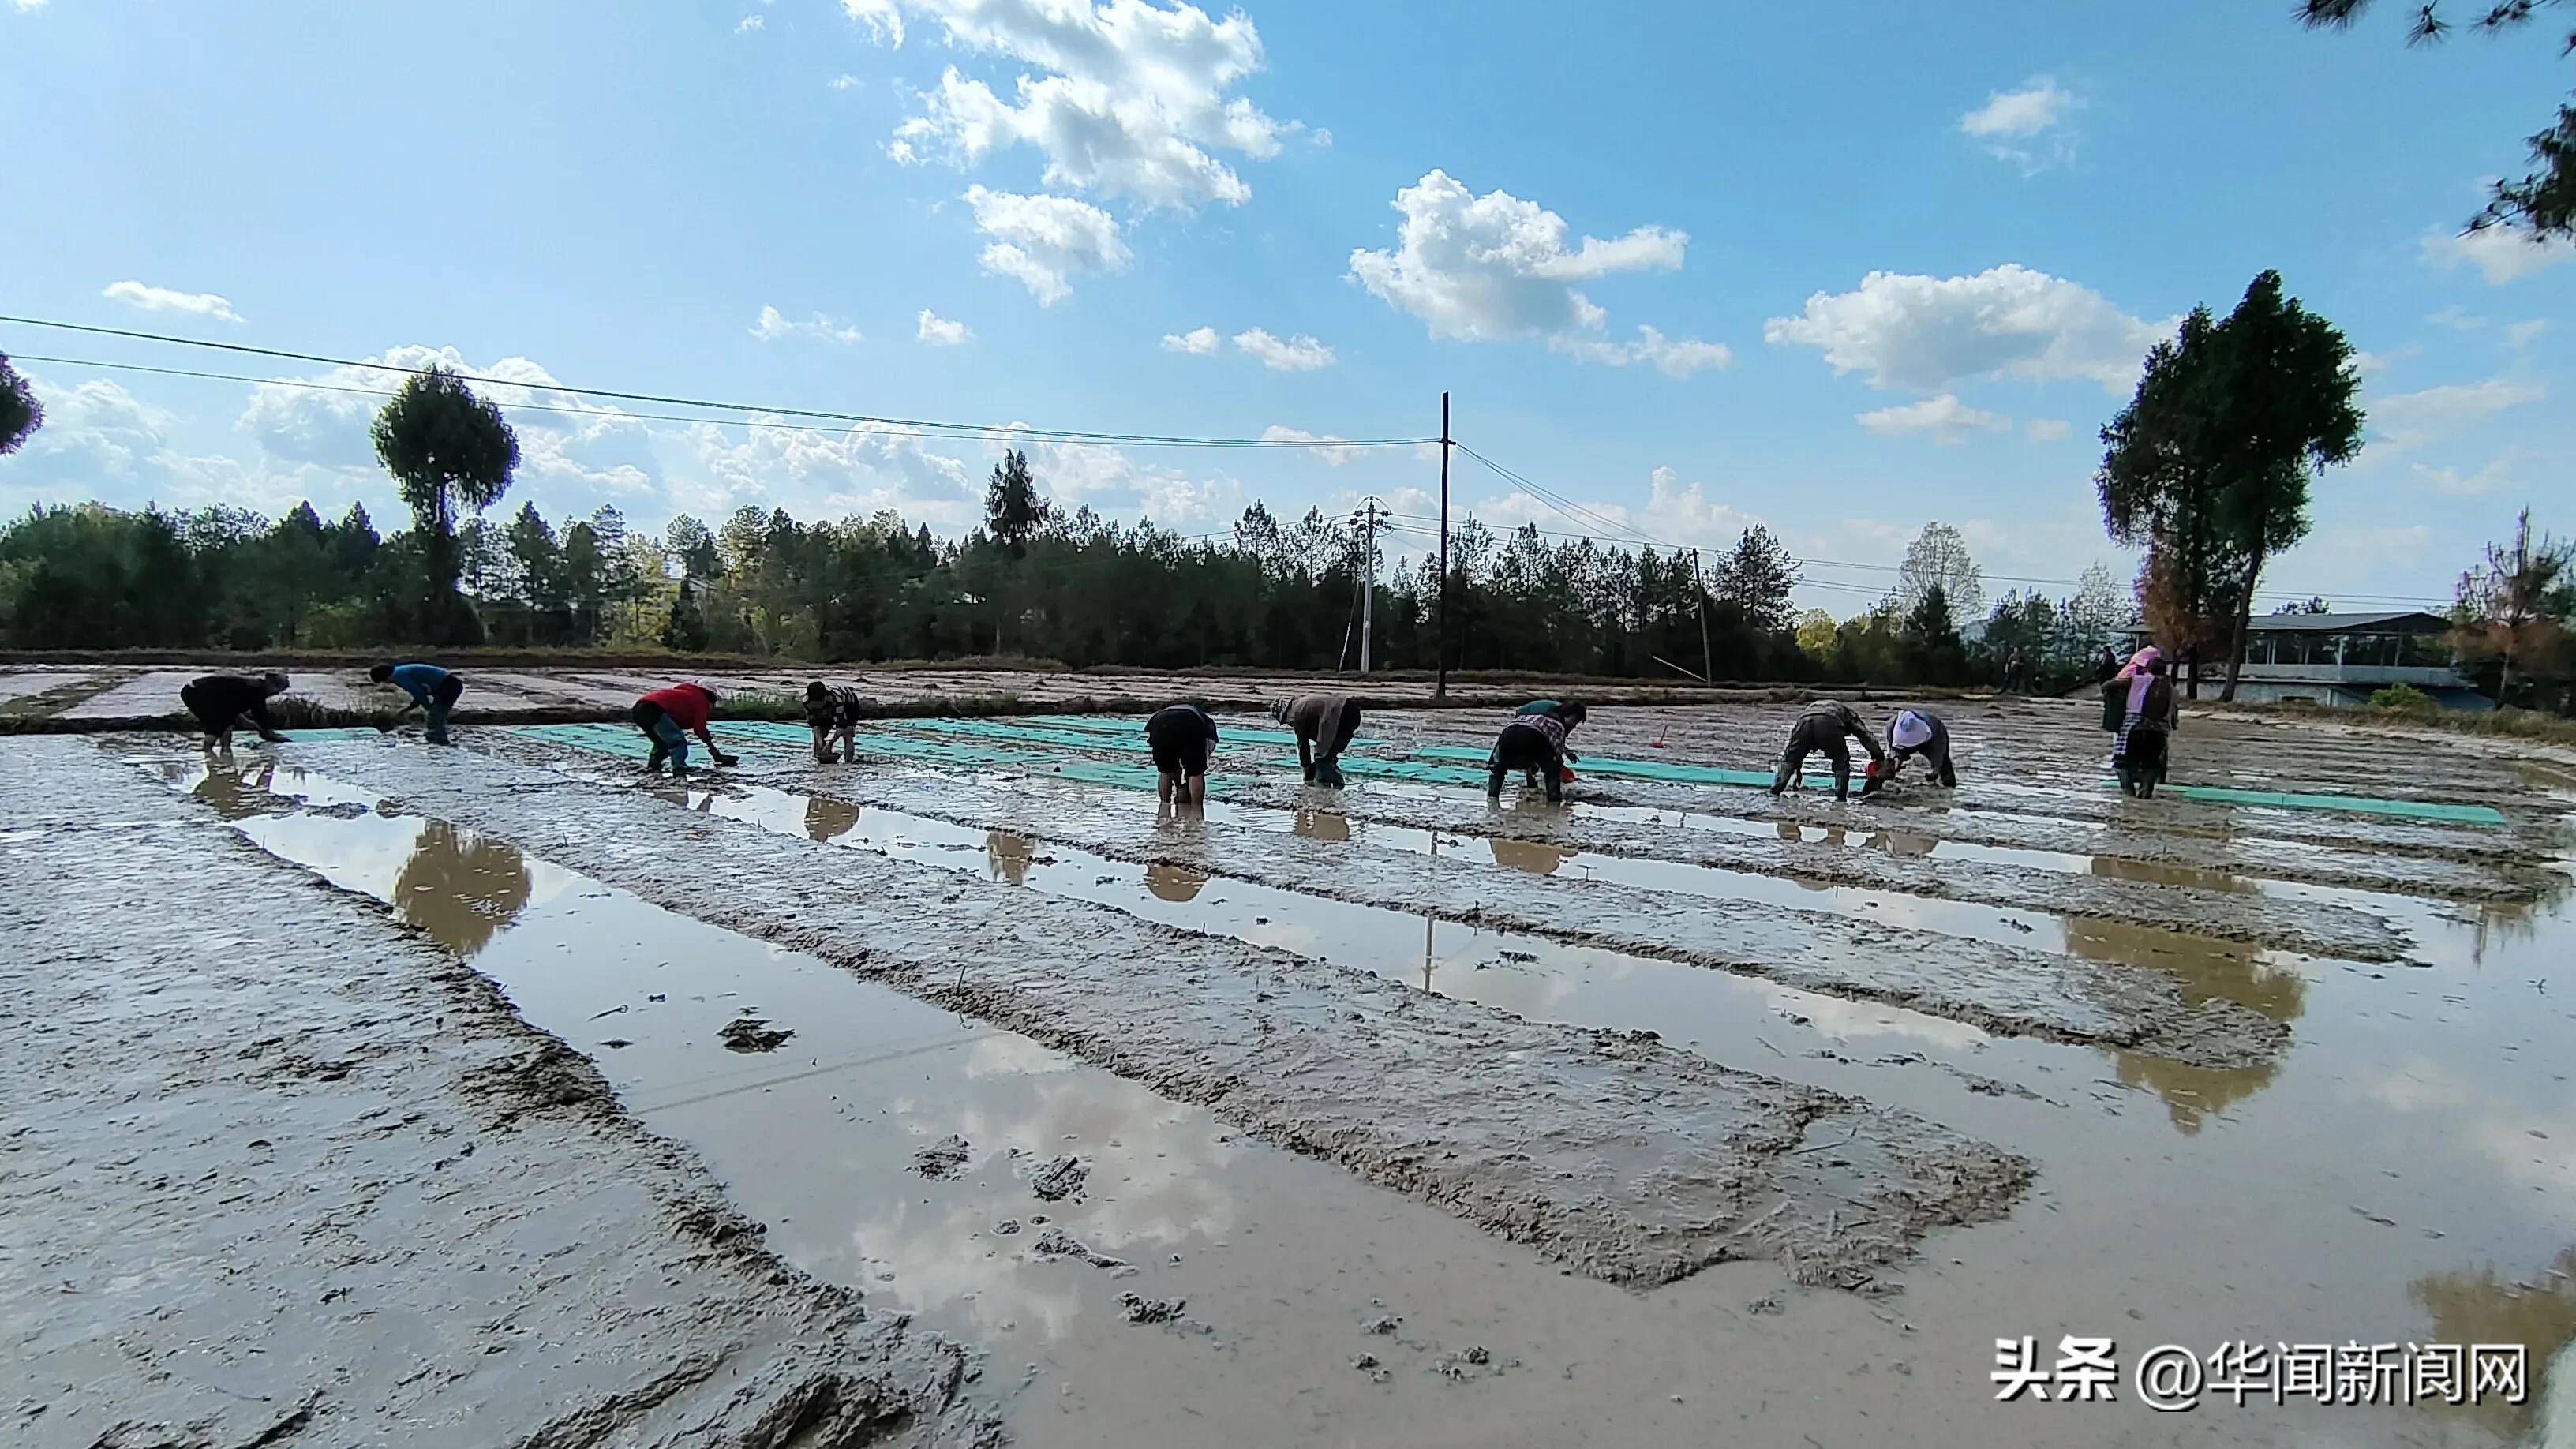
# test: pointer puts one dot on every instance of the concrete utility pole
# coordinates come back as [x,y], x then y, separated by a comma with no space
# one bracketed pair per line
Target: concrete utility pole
[1700,586]
[1368,577]
[1440,636]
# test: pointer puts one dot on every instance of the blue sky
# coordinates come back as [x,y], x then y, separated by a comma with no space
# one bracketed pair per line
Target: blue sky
[1842,270]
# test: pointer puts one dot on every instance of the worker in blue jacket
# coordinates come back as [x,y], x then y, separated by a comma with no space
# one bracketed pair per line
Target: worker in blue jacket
[433,691]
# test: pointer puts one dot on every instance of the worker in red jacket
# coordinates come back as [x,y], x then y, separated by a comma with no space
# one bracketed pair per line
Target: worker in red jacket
[669,716]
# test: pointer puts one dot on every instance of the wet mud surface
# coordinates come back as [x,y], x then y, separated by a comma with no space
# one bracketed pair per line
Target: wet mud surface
[2396,1170]
[294,1175]
[1999,988]
[1623,1157]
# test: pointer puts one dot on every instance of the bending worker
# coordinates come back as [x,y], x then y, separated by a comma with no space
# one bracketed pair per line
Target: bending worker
[668,716]
[221,701]
[1565,712]
[1324,724]
[1918,732]
[1534,742]
[433,692]
[1181,736]
[832,712]
[1824,725]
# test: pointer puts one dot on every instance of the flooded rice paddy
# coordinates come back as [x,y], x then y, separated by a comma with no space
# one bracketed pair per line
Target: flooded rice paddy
[1678,1114]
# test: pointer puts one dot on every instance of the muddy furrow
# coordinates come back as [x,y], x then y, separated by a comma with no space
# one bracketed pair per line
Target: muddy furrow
[280,1170]
[1609,1152]
[2501,869]
[2003,989]
[2271,922]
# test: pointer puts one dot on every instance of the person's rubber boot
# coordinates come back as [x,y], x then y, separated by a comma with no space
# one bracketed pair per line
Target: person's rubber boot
[655,762]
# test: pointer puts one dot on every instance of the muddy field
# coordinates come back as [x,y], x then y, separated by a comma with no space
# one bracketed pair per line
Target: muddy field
[504,1094]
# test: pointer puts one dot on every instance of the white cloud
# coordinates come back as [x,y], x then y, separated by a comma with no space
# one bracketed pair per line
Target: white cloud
[2027,127]
[1329,448]
[843,82]
[2047,430]
[749,24]
[94,429]
[2502,253]
[1928,333]
[1946,418]
[1295,354]
[564,438]
[1197,342]
[1486,268]
[2522,334]
[861,472]
[2411,419]
[1674,513]
[2452,483]
[770,327]
[939,331]
[163,299]
[1672,356]
[1171,500]
[2456,318]
[880,18]
[1130,100]
[1043,242]
[29,6]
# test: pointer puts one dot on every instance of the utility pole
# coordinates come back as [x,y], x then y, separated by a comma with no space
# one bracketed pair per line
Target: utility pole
[1368,578]
[1700,587]
[1440,636]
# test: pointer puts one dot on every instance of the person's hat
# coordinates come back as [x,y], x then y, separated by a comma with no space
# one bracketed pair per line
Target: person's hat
[1911,730]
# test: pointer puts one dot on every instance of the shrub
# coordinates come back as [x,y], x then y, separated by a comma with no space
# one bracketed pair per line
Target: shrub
[2404,699]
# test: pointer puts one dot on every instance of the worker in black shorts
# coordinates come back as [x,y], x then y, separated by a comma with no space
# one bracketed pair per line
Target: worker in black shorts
[1181,737]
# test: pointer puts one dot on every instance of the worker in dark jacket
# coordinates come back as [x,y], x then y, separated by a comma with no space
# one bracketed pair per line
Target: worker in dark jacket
[1824,725]
[1566,712]
[434,692]
[1533,744]
[2138,703]
[668,716]
[1324,723]
[221,701]
[1182,736]
[1915,732]
[832,712]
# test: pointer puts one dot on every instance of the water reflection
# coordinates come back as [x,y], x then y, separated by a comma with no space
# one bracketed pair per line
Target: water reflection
[1323,825]
[236,792]
[829,819]
[461,887]
[2208,970]
[1009,855]
[1904,842]
[1536,857]
[1174,882]
[2156,872]
[2480,1307]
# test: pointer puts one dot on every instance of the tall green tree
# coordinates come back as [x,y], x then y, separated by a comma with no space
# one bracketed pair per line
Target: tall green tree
[20,413]
[2159,485]
[2286,400]
[450,451]
[2542,203]
[1014,513]
[1756,579]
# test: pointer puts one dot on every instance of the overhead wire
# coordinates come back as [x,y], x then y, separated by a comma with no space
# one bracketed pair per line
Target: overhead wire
[928,427]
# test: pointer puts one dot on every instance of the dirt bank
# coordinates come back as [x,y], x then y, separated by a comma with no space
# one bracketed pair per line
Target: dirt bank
[282,1171]
[1622,1158]
[2004,989]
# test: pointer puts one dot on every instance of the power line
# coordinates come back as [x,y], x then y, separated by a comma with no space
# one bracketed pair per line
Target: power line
[928,427]
[1566,506]
[605,413]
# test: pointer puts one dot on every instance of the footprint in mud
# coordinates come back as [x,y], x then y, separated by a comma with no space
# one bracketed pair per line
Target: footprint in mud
[751,1034]
[1141,1309]
[941,1159]
[1057,1243]
[1060,1179]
